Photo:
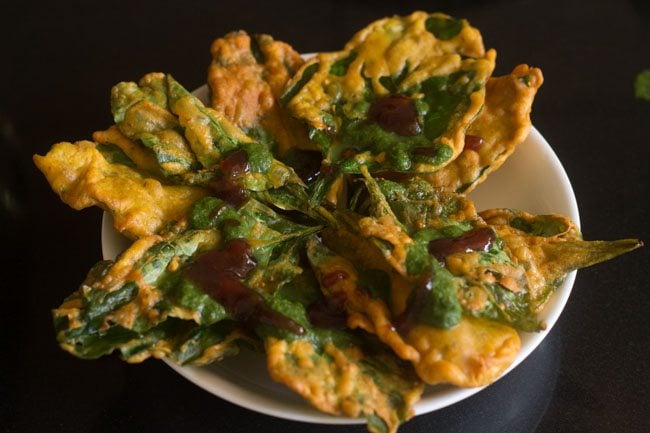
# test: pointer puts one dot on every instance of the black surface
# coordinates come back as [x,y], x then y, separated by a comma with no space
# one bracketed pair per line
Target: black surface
[59,60]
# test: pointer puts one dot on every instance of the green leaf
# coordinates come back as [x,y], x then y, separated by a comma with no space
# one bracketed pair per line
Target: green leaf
[92,345]
[443,28]
[376,424]
[114,155]
[340,67]
[514,309]
[283,267]
[99,302]
[96,319]
[540,225]
[142,113]
[207,135]
[446,96]
[198,339]
[260,157]
[383,383]
[416,204]
[418,258]
[184,293]
[376,282]
[392,83]
[307,74]
[256,50]
[642,85]
[151,88]
[441,307]
[258,224]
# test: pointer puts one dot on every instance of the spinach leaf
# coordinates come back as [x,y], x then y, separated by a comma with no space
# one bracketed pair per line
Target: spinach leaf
[292,91]
[440,307]
[115,155]
[642,85]
[443,28]
[539,225]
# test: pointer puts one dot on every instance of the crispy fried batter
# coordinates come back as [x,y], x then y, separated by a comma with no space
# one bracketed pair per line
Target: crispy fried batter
[340,381]
[399,55]
[140,206]
[143,157]
[352,247]
[363,311]
[550,246]
[503,123]
[247,77]
[473,353]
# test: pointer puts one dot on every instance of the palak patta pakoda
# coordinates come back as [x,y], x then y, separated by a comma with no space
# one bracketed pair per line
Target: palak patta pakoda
[316,212]
[398,97]
[502,124]
[246,79]
[87,174]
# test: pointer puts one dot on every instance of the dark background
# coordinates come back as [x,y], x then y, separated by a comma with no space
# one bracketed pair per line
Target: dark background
[58,63]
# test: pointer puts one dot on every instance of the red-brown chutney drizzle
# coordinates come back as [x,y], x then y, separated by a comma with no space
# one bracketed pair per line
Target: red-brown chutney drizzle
[219,274]
[328,312]
[478,239]
[396,113]
[407,320]
[227,186]
[473,142]
[328,170]
[331,278]
[425,151]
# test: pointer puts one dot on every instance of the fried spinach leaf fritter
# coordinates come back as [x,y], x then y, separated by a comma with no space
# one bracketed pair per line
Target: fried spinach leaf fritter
[141,205]
[336,371]
[246,78]
[502,124]
[397,98]
[189,139]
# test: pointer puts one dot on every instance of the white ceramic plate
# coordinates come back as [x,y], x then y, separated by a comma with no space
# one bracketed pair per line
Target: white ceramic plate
[532,179]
